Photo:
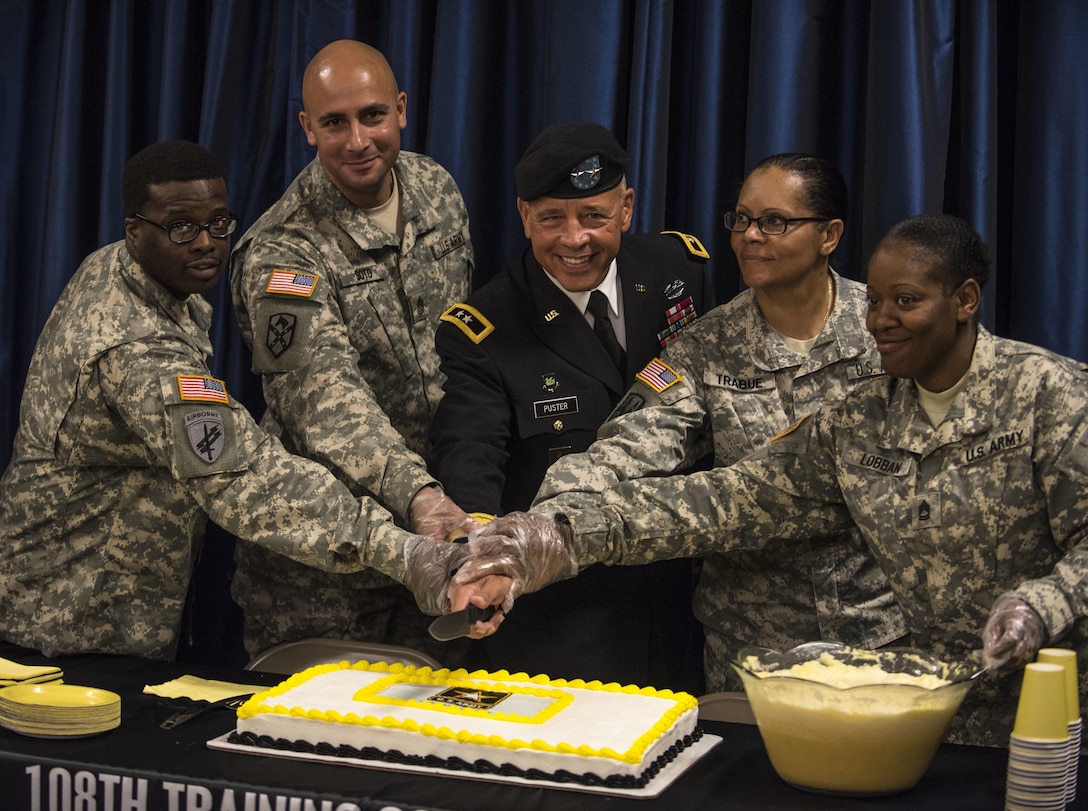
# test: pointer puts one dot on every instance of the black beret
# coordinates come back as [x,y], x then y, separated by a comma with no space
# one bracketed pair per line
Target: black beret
[570,160]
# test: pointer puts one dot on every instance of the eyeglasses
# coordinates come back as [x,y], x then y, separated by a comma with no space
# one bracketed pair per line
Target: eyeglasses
[182,232]
[770,224]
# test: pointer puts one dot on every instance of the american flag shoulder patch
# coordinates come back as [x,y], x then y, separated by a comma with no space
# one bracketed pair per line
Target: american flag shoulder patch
[291,282]
[658,375]
[204,389]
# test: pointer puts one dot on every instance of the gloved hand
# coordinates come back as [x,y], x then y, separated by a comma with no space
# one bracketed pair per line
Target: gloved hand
[1014,633]
[434,514]
[428,570]
[529,548]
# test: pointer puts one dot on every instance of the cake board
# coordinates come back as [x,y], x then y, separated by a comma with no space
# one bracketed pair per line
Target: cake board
[661,781]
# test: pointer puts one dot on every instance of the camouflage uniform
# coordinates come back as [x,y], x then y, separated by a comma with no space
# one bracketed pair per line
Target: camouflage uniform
[125,446]
[995,499]
[738,384]
[341,322]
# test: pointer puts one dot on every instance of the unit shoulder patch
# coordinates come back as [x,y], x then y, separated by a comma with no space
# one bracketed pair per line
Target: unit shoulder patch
[691,242]
[470,321]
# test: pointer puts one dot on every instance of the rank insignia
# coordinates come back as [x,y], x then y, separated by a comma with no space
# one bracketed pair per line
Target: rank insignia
[658,375]
[694,246]
[205,389]
[470,321]
[206,435]
[291,283]
[586,174]
[280,333]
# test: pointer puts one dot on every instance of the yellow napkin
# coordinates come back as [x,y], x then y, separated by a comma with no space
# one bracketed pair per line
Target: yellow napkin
[47,678]
[15,673]
[200,689]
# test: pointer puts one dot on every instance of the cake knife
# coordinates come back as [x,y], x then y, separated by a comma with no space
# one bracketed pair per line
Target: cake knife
[459,623]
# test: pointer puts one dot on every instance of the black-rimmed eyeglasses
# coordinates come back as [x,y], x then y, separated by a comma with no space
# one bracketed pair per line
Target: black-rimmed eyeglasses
[182,232]
[770,224]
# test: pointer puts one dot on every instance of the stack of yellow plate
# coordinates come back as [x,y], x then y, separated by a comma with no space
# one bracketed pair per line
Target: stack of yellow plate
[58,710]
[15,673]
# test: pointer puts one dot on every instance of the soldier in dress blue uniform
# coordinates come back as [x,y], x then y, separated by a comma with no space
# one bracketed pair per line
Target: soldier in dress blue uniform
[528,381]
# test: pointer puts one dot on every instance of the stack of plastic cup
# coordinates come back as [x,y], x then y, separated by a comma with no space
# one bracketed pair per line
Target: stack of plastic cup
[1039,742]
[1068,659]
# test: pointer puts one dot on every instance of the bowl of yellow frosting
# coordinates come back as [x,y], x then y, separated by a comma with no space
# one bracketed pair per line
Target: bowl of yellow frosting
[841,720]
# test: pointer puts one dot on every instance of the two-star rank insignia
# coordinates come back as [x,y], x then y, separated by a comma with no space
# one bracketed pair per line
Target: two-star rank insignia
[470,321]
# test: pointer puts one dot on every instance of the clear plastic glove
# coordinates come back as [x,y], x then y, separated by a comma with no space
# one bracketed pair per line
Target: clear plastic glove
[434,514]
[1014,633]
[529,549]
[429,568]
[487,591]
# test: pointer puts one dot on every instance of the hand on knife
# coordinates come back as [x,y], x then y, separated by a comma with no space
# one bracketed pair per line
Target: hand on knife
[461,623]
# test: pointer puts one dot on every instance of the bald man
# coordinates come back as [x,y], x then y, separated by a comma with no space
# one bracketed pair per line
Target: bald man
[338,288]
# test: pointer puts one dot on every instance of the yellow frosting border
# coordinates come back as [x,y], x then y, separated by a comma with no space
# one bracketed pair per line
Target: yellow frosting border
[262,703]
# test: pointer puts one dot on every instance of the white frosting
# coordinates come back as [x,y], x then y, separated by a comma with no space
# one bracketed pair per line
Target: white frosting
[534,723]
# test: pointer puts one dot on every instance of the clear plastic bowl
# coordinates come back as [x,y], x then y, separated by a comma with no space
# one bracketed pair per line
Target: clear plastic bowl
[867,739]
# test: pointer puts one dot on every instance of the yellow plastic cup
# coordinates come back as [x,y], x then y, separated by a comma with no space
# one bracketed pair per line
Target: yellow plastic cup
[1068,660]
[1041,713]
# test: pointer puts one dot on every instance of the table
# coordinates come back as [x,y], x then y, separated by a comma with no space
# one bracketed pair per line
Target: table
[140,767]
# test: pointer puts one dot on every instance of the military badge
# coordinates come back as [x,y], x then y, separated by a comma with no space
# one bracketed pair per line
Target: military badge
[586,174]
[206,434]
[674,289]
[280,333]
[550,381]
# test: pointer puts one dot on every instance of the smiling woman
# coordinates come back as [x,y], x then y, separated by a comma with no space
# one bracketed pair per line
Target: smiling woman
[925,287]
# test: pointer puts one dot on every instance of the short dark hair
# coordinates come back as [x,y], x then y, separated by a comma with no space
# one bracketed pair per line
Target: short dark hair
[948,244]
[165,162]
[823,191]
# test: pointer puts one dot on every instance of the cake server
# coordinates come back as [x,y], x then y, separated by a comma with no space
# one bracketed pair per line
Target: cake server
[181,716]
[459,623]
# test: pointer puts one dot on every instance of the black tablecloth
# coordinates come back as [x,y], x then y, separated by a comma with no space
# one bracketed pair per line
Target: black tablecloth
[174,769]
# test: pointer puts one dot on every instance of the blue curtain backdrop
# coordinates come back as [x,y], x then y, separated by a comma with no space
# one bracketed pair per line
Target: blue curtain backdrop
[975,107]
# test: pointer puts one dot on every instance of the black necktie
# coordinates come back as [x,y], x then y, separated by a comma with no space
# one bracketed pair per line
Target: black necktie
[602,325]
